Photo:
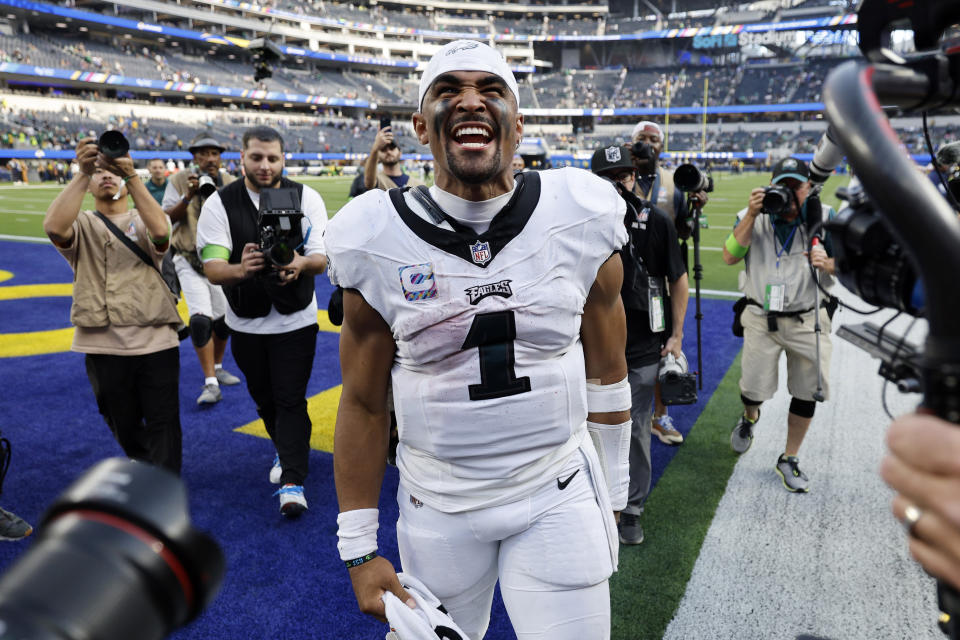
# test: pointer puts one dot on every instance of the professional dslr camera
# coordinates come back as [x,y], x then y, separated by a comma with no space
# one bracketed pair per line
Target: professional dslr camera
[113,144]
[776,199]
[116,558]
[279,225]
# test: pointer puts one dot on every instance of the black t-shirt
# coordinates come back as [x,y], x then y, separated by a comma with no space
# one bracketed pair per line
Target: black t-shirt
[654,238]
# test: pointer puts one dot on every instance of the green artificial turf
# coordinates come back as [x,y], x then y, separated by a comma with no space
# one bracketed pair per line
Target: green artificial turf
[645,592]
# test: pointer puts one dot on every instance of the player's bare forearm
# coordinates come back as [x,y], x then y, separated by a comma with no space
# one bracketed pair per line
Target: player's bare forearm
[361,435]
[603,332]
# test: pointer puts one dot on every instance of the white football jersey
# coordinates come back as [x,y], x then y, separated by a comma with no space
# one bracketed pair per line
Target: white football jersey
[488,380]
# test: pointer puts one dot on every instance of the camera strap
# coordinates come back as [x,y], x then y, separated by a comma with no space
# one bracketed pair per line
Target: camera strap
[133,246]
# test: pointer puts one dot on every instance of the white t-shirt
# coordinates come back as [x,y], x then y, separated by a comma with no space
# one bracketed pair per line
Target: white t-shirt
[213,228]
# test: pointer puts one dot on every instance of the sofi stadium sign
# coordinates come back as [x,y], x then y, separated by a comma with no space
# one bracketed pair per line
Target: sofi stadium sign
[746,39]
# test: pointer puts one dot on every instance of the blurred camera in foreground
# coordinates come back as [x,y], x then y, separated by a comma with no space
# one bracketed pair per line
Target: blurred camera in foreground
[115,558]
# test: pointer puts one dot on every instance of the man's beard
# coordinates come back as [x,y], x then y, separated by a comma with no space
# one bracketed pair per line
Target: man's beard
[261,185]
[473,175]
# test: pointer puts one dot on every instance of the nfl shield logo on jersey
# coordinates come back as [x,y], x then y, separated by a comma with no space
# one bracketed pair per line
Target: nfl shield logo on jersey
[480,252]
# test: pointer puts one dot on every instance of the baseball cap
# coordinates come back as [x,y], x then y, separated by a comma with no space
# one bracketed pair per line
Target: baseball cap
[466,55]
[611,158]
[205,141]
[646,124]
[790,168]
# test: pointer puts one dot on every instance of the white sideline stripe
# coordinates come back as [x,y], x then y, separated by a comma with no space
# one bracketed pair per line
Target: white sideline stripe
[717,292]
[3,236]
[20,212]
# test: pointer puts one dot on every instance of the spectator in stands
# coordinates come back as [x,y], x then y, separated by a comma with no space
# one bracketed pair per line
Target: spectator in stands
[655,184]
[127,329]
[157,184]
[651,259]
[779,315]
[182,201]
[387,153]
[272,310]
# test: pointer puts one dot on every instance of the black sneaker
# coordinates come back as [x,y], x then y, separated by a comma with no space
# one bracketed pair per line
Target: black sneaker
[630,530]
[793,479]
[742,436]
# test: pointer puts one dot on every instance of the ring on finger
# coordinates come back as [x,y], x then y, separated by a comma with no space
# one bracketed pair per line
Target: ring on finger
[911,514]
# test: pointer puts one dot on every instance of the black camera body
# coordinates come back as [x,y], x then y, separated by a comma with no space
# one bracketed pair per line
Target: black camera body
[776,199]
[279,225]
[113,144]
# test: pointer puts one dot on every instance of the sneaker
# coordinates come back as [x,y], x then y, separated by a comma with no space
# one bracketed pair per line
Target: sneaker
[276,471]
[210,395]
[226,378]
[793,479]
[13,527]
[630,530]
[292,502]
[742,436]
[662,427]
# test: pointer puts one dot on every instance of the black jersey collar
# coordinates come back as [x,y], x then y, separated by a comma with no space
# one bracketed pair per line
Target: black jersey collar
[463,242]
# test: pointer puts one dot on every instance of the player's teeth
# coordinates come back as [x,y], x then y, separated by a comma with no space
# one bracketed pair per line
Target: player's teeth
[474,145]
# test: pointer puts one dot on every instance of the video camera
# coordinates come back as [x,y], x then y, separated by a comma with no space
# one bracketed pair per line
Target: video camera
[917,218]
[116,558]
[279,226]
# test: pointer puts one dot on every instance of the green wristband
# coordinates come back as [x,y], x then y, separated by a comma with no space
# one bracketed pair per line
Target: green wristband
[734,248]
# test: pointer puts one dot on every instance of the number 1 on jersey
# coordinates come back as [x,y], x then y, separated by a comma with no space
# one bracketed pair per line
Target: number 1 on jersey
[493,335]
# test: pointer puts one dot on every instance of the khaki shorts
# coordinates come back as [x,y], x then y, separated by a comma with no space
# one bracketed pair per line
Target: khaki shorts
[761,355]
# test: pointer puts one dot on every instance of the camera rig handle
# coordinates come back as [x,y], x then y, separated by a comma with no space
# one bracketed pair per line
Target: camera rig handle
[923,222]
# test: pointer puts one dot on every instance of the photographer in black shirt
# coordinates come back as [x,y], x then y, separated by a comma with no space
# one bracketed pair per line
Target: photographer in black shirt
[651,259]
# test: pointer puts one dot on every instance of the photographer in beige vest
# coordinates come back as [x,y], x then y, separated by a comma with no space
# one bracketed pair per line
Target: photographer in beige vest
[182,201]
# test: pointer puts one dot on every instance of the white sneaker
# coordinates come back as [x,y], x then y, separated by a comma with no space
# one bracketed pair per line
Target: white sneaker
[210,395]
[292,502]
[662,427]
[226,378]
[276,471]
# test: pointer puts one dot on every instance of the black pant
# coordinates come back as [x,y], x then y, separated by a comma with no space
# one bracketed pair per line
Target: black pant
[277,368]
[139,397]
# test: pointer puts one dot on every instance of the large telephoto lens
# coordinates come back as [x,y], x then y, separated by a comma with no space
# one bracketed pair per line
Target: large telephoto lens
[689,178]
[116,558]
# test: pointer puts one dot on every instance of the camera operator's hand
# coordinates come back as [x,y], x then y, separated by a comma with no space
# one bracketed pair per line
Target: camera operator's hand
[87,152]
[291,272]
[820,259]
[193,183]
[674,345]
[700,197]
[370,580]
[755,205]
[383,138]
[923,467]
[251,260]
[121,166]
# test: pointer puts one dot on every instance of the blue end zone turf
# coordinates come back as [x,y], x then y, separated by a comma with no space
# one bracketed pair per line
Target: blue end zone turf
[284,578]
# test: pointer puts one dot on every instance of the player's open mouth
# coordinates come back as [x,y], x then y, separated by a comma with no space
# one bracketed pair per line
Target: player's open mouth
[472,136]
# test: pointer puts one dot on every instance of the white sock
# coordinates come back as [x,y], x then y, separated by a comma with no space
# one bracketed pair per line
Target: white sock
[217,367]
[212,381]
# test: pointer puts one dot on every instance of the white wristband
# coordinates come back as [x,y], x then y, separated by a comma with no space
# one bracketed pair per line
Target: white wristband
[606,398]
[357,532]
